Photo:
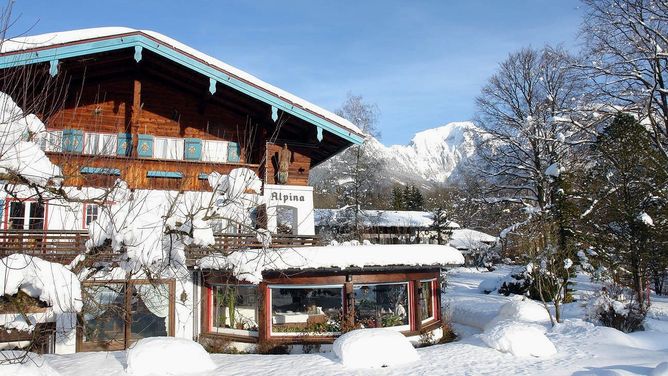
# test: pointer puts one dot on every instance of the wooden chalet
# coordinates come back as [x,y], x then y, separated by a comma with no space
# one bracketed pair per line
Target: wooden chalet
[139,106]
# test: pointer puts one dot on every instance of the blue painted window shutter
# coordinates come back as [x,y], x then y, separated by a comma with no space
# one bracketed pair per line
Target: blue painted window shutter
[193,149]
[72,140]
[145,146]
[124,144]
[233,152]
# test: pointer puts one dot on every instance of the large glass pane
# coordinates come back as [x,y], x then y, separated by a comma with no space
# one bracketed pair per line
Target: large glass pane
[149,304]
[16,215]
[103,315]
[306,310]
[36,219]
[235,308]
[427,300]
[381,305]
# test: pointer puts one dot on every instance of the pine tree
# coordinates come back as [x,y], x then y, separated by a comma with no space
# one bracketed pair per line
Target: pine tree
[441,226]
[398,198]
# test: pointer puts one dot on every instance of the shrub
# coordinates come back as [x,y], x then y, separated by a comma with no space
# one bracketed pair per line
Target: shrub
[615,307]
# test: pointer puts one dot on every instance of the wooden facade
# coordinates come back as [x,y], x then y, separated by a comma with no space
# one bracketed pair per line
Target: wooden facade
[112,93]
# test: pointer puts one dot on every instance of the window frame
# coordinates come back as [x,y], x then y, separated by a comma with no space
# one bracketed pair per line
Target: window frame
[434,300]
[409,308]
[26,214]
[213,329]
[127,305]
[269,314]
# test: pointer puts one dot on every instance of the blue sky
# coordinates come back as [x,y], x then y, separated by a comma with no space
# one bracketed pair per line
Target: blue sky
[421,62]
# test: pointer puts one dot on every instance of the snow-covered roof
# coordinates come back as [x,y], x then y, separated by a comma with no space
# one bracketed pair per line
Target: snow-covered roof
[249,264]
[61,42]
[378,218]
[466,238]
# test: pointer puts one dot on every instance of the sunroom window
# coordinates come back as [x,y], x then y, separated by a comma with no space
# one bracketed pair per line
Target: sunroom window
[382,305]
[427,311]
[235,309]
[302,310]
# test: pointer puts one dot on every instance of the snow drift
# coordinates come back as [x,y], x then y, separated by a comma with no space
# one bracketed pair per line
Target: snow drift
[167,356]
[515,330]
[374,348]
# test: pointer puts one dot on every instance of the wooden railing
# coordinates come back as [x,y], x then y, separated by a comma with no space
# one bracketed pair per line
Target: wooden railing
[63,246]
[56,245]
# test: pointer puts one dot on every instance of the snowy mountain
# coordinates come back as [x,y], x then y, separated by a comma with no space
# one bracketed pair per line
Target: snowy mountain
[433,157]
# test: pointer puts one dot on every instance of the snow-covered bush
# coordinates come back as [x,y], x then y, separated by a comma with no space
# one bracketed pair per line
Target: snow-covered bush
[518,338]
[517,329]
[49,282]
[374,348]
[518,281]
[615,307]
[167,356]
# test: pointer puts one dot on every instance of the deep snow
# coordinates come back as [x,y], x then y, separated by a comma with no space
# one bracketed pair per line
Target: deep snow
[582,348]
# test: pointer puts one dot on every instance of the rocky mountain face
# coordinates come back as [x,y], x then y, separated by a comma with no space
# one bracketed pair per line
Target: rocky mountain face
[433,157]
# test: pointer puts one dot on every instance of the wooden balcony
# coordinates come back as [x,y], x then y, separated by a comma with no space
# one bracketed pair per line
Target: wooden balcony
[62,246]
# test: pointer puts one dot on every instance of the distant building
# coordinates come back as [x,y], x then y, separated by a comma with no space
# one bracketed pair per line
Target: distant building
[379,226]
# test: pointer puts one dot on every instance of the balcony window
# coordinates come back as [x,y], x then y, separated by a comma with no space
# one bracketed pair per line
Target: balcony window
[28,215]
[306,310]
[100,143]
[168,148]
[382,305]
[235,309]
[51,141]
[214,151]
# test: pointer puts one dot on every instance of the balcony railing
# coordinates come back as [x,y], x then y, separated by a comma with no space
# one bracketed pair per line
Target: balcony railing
[63,246]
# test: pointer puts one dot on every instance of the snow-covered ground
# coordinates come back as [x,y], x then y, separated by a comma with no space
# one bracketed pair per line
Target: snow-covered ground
[582,348]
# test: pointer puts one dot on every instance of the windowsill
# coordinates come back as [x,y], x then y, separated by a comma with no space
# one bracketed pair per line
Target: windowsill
[236,332]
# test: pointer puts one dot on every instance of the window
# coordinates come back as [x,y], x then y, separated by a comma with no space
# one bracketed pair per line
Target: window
[100,143]
[91,213]
[116,314]
[286,220]
[427,311]
[28,215]
[299,310]
[235,309]
[214,151]
[168,148]
[51,141]
[382,305]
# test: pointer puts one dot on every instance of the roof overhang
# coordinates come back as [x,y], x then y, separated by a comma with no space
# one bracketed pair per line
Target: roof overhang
[139,41]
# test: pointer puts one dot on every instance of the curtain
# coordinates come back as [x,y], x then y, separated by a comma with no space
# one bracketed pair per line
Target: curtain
[214,151]
[100,143]
[168,148]
[155,298]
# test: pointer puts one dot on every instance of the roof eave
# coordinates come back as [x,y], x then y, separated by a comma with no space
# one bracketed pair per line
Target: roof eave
[140,40]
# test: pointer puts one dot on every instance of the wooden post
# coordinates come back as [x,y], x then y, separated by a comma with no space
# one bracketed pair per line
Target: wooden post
[135,114]
[264,313]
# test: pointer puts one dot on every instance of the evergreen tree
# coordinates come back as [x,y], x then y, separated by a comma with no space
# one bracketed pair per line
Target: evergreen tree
[398,198]
[628,210]
[441,226]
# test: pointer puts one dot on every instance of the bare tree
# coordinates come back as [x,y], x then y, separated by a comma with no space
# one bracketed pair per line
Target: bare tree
[627,60]
[527,149]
